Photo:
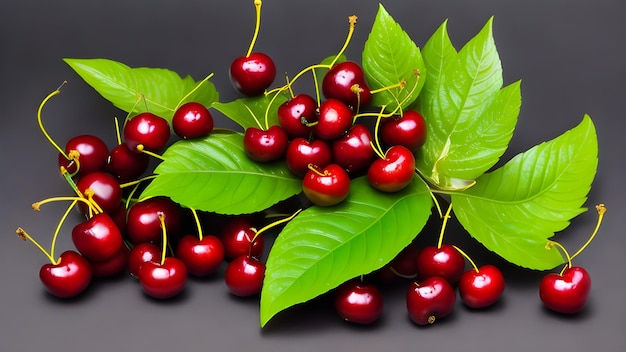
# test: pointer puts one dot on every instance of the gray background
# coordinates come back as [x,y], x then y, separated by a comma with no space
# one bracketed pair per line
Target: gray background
[570,56]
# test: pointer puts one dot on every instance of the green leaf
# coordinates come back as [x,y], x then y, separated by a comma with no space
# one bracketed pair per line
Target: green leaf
[214,174]
[135,90]
[259,112]
[389,57]
[463,103]
[514,210]
[323,247]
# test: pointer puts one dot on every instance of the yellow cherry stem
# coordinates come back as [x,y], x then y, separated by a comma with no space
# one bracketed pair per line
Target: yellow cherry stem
[198,224]
[466,257]
[351,21]
[257,26]
[59,225]
[601,209]
[192,91]
[39,120]
[443,225]
[164,232]
[273,224]
[562,248]
[142,149]
[21,233]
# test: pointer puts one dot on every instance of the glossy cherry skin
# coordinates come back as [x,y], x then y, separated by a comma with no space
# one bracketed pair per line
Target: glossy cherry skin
[326,186]
[70,277]
[165,280]
[335,119]
[142,253]
[445,261]
[482,288]
[353,151]
[192,120]
[339,83]
[359,302]
[252,75]
[302,152]
[409,130]
[107,192]
[143,224]
[403,265]
[98,238]
[111,267]
[93,154]
[566,293]
[238,239]
[125,164]
[430,300]
[265,145]
[394,172]
[203,256]
[244,276]
[296,113]
[147,129]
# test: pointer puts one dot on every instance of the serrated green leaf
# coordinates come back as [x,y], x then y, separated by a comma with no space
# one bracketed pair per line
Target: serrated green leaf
[259,112]
[323,247]
[514,210]
[140,89]
[214,174]
[389,57]
[461,107]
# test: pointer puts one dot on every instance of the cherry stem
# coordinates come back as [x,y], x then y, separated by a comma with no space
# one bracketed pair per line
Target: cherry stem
[601,209]
[70,181]
[377,148]
[37,205]
[193,91]
[466,257]
[39,120]
[118,134]
[273,224]
[443,225]
[267,110]
[197,220]
[317,89]
[21,233]
[352,21]
[136,182]
[562,248]
[254,117]
[59,225]
[164,232]
[141,148]
[315,169]
[257,26]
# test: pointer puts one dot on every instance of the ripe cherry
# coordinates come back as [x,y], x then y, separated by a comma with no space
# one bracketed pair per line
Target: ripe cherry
[265,145]
[403,265]
[163,280]
[125,164]
[408,130]
[326,186]
[98,238]
[359,302]
[244,276]
[104,189]
[345,81]
[68,277]
[335,118]
[239,238]
[92,155]
[150,131]
[112,266]
[394,172]
[296,113]
[482,287]
[192,120]
[141,253]
[444,261]
[353,151]
[430,300]
[302,152]
[202,256]
[143,223]
[567,292]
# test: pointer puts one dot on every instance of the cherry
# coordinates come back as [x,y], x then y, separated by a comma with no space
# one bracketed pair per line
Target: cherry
[302,152]
[125,164]
[68,277]
[265,145]
[92,155]
[112,266]
[430,300]
[192,120]
[335,118]
[567,292]
[402,265]
[143,223]
[163,280]
[202,256]
[244,276]
[481,287]
[345,81]
[98,238]
[394,172]
[408,130]
[104,189]
[353,151]
[147,131]
[296,113]
[238,238]
[326,186]
[359,302]
[141,253]
[444,261]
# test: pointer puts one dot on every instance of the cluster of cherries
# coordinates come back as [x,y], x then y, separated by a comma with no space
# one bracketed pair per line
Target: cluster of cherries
[321,141]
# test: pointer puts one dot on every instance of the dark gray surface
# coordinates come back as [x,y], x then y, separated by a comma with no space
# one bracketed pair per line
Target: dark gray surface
[570,55]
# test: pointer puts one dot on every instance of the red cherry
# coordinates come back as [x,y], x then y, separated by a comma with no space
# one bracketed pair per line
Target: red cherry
[445,261]
[302,152]
[147,129]
[237,237]
[143,224]
[353,151]
[394,172]
[296,113]
[142,253]
[244,276]
[252,75]
[69,277]
[402,265]
[326,186]
[265,145]
[112,266]
[192,120]
[163,280]
[409,130]
[482,288]
[98,238]
[125,164]
[359,302]
[335,118]
[92,154]
[203,256]
[106,189]
[566,293]
[430,300]
[341,81]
